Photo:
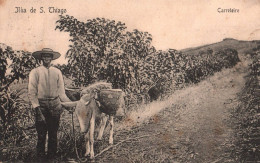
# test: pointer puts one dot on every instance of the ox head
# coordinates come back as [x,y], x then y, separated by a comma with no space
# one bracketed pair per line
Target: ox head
[84,110]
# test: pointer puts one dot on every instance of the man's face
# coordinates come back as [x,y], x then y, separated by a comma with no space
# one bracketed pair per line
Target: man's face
[47,58]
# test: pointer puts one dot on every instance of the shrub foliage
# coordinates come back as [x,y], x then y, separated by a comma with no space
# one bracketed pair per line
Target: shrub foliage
[15,115]
[103,49]
[247,115]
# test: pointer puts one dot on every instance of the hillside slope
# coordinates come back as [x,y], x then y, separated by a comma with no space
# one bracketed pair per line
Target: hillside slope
[242,47]
[193,125]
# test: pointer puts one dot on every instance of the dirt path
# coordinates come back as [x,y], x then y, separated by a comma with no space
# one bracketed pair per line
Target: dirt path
[191,126]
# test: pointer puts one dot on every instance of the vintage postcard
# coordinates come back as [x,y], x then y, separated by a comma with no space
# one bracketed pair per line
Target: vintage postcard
[129,81]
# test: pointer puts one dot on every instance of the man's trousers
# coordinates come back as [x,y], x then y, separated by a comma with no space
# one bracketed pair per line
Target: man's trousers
[51,110]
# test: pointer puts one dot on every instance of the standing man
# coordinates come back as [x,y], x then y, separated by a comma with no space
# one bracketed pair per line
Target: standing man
[46,91]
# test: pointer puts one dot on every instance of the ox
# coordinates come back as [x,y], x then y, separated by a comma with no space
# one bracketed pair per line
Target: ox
[156,90]
[154,93]
[87,111]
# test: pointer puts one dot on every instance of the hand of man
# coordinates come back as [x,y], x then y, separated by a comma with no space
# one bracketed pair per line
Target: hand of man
[70,109]
[39,115]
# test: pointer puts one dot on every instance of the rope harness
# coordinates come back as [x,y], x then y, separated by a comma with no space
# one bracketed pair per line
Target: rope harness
[75,141]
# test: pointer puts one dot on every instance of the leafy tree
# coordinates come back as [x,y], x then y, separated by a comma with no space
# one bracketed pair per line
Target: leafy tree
[64,69]
[102,50]
[137,47]
[13,114]
[21,64]
[4,55]
[94,44]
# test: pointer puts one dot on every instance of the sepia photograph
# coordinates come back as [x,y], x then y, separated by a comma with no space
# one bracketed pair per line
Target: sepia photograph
[127,81]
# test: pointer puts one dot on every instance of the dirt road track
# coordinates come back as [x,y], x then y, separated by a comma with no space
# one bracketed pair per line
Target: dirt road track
[193,125]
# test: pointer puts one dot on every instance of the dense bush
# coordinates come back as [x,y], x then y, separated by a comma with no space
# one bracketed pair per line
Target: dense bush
[247,116]
[21,64]
[15,114]
[102,49]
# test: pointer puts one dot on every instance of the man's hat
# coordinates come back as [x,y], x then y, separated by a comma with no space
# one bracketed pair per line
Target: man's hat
[44,51]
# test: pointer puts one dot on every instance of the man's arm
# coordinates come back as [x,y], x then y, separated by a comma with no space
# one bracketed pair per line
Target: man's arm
[33,89]
[61,89]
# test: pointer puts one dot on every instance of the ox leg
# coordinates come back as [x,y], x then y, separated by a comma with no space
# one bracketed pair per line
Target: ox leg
[111,132]
[87,144]
[102,127]
[91,136]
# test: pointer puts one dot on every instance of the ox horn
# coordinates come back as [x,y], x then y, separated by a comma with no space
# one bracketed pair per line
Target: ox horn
[86,103]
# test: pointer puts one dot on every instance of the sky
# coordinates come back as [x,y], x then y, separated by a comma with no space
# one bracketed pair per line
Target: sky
[175,24]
